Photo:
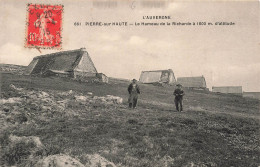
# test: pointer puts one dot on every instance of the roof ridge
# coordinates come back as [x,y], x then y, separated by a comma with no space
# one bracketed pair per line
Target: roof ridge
[193,77]
[59,53]
[157,70]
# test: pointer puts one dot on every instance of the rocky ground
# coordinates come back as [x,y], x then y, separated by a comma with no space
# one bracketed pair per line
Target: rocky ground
[54,122]
[27,107]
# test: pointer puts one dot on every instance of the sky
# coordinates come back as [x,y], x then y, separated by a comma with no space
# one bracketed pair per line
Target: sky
[224,55]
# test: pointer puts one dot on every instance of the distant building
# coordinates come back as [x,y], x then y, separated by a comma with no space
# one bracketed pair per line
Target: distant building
[254,95]
[193,82]
[73,63]
[158,76]
[228,89]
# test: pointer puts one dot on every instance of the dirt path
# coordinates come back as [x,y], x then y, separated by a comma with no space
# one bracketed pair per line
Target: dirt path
[169,107]
[237,114]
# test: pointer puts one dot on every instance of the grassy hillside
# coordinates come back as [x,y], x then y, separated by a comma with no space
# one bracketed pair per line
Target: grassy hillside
[11,68]
[213,130]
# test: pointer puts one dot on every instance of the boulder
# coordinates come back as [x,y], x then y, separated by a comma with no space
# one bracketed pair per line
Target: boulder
[26,139]
[115,99]
[81,98]
[42,94]
[10,100]
[95,160]
[15,88]
[70,92]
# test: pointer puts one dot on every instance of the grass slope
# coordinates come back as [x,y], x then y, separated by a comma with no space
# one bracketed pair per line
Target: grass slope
[214,130]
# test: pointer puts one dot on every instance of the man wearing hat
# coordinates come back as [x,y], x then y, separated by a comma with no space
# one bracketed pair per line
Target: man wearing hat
[133,90]
[178,93]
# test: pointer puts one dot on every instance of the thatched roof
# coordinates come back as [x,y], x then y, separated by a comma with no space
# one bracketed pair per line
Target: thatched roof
[78,60]
[192,82]
[163,76]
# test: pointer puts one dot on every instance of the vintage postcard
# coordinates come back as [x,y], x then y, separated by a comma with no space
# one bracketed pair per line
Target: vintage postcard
[109,83]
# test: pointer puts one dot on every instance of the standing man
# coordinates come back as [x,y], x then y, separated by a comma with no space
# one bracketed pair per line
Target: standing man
[133,90]
[178,93]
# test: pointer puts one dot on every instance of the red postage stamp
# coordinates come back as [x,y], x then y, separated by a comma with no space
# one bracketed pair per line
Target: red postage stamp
[44,26]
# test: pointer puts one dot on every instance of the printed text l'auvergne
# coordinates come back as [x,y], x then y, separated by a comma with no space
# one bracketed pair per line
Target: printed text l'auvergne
[156,17]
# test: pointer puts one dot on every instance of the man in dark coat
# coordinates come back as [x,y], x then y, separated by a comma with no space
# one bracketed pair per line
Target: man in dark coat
[133,90]
[178,93]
